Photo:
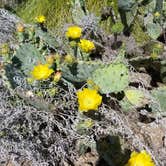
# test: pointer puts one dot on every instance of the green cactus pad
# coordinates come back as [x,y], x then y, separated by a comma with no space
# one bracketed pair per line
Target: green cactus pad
[77,11]
[160,95]
[47,38]
[136,97]
[27,56]
[126,105]
[154,30]
[126,5]
[113,78]
[79,71]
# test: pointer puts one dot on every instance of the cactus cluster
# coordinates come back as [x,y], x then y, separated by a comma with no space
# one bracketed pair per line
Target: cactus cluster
[82,85]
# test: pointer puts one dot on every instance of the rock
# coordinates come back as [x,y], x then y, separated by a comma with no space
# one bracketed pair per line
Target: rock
[155,134]
[88,159]
[8,23]
[141,79]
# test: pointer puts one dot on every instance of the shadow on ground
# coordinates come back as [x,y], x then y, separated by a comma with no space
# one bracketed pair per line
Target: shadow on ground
[110,152]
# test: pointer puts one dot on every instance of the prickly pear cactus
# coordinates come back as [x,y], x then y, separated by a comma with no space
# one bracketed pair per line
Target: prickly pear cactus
[78,11]
[113,78]
[154,30]
[136,97]
[27,56]
[126,105]
[126,5]
[159,94]
[46,38]
[79,71]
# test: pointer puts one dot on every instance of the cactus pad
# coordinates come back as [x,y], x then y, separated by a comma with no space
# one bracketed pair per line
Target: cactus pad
[113,78]
[79,71]
[136,97]
[160,95]
[27,56]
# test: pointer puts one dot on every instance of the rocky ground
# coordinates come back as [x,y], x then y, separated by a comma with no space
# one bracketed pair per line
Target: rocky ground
[8,23]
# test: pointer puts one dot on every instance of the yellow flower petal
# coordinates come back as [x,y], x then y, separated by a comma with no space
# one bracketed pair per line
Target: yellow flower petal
[157,14]
[140,159]
[41,72]
[74,32]
[86,45]
[41,19]
[88,99]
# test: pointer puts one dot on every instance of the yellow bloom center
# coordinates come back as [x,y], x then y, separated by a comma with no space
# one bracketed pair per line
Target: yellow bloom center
[41,72]
[41,19]
[86,45]
[140,159]
[74,32]
[88,99]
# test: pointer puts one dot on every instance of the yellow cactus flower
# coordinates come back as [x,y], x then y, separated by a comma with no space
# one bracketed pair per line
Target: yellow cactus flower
[20,27]
[140,159]
[41,72]
[157,14]
[86,45]
[41,19]
[88,99]
[74,32]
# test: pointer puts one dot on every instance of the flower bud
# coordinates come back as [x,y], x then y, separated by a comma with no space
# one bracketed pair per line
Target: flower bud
[4,49]
[50,59]
[20,27]
[69,58]
[157,14]
[57,76]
